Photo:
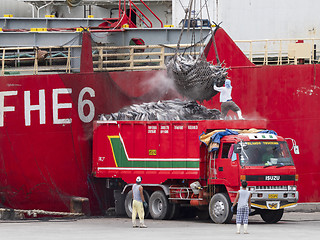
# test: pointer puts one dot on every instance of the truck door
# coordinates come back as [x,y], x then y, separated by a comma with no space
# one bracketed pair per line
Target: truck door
[227,168]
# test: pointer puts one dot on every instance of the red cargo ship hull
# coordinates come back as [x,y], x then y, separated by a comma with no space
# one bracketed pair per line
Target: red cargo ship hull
[46,152]
[44,164]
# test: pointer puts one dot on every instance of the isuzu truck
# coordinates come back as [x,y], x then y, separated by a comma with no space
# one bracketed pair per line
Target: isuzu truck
[196,164]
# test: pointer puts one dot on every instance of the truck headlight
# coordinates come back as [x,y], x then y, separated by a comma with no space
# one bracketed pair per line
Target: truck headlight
[292,188]
[251,189]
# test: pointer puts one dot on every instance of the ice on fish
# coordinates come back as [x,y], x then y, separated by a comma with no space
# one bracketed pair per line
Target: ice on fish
[164,110]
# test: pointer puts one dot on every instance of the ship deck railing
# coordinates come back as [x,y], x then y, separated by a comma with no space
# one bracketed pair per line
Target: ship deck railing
[137,57]
[34,60]
[281,51]
[66,59]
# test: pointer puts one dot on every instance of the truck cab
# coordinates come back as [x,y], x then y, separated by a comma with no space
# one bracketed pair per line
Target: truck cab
[265,162]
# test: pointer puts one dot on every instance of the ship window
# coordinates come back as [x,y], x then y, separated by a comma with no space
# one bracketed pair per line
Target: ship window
[225,150]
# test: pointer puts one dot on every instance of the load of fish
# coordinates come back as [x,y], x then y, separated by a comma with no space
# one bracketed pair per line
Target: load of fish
[164,110]
[194,77]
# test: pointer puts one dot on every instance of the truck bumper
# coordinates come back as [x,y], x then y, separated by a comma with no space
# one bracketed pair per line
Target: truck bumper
[274,200]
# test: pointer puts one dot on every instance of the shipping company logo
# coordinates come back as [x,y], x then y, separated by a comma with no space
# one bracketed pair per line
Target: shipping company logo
[153,162]
[272,178]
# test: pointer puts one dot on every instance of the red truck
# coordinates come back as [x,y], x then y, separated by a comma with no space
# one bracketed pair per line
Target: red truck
[196,163]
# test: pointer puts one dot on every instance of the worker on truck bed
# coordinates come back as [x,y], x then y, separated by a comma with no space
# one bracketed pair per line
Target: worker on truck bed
[138,203]
[226,100]
[243,199]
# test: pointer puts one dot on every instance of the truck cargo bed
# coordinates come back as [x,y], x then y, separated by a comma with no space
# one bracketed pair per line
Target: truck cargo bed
[155,150]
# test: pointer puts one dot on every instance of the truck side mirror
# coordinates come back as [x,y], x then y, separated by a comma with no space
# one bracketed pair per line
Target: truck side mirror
[296,149]
[237,148]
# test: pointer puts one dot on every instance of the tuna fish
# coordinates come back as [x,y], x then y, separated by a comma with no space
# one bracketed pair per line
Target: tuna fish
[194,77]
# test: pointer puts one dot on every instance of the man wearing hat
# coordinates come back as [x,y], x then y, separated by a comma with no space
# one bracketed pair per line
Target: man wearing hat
[226,100]
[137,203]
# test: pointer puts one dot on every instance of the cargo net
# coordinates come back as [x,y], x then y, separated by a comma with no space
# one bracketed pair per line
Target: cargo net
[194,77]
[164,110]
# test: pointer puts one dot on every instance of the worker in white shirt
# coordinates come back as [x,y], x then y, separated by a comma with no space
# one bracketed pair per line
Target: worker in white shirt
[138,203]
[226,100]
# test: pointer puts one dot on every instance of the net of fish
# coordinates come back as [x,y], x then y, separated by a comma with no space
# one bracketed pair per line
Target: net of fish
[164,111]
[194,77]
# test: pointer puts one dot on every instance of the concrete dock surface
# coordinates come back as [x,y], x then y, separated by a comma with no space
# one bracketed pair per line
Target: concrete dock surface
[294,225]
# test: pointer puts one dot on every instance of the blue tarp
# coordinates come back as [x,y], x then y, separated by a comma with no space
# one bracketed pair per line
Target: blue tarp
[217,136]
[269,132]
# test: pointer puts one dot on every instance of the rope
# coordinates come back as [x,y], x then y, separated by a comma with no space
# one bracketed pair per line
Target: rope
[35,212]
[182,5]
[200,11]
[189,18]
[71,41]
[213,33]
[201,35]
[182,29]
[193,76]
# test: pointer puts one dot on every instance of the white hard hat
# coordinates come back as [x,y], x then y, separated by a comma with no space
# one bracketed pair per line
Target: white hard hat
[138,179]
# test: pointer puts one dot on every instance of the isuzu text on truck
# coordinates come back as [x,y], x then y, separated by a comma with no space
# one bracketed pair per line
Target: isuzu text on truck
[196,163]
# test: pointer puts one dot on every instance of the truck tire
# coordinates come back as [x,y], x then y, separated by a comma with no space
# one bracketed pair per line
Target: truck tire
[128,203]
[271,216]
[119,203]
[220,208]
[158,205]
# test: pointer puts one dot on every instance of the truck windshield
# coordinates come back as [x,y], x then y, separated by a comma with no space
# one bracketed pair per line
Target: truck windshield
[266,154]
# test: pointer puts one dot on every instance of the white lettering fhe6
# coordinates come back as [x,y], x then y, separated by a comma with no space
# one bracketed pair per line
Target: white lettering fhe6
[41,106]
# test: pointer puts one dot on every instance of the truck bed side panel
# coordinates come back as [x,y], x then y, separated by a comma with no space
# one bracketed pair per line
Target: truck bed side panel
[155,150]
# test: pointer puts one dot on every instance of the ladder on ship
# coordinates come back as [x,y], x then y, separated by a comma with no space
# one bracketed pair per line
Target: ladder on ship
[128,11]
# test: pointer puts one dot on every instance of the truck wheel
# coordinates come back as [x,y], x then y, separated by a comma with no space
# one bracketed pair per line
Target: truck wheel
[220,208]
[158,205]
[146,198]
[271,216]
[128,203]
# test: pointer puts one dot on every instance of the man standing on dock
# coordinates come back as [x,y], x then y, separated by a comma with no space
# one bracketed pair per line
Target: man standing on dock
[243,199]
[226,100]
[138,203]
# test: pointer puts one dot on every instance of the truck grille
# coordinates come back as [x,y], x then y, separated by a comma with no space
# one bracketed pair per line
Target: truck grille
[274,188]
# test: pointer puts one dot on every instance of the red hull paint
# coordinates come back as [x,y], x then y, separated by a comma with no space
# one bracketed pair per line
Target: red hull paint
[226,49]
[282,96]
[43,165]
